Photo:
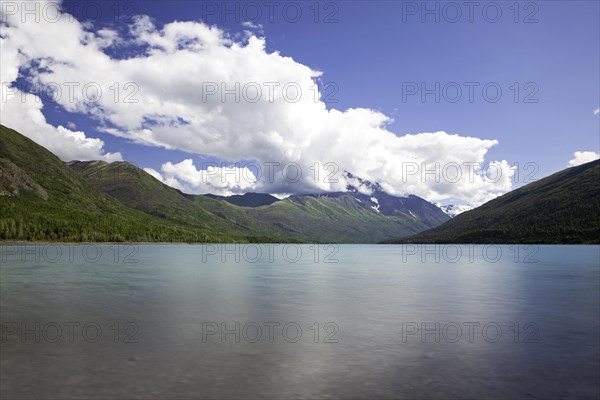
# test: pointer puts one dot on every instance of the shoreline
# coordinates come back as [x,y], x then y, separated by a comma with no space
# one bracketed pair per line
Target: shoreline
[27,243]
[58,243]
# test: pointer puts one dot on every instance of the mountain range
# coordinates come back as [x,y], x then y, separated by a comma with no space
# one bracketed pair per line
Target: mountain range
[45,199]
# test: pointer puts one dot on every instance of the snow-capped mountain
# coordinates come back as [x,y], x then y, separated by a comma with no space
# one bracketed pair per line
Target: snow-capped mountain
[370,195]
[454,209]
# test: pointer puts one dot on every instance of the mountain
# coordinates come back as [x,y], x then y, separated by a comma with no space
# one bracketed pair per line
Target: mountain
[561,208]
[348,218]
[345,217]
[43,198]
[139,190]
[454,209]
[247,199]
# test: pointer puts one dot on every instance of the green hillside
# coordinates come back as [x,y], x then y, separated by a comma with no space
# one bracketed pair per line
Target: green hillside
[338,219]
[139,190]
[561,208]
[43,199]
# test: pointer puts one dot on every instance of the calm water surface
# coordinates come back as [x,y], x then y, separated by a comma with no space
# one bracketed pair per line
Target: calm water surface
[354,321]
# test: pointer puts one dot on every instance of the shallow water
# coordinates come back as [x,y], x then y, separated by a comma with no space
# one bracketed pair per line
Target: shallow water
[350,321]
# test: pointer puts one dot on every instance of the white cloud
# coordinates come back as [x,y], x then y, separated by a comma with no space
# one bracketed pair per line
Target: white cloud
[251,25]
[173,80]
[597,111]
[582,157]
[155,174]
[217,180]
[23,112]
[107,38]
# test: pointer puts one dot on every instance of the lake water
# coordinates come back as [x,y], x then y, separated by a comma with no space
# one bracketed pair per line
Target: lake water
[274,321]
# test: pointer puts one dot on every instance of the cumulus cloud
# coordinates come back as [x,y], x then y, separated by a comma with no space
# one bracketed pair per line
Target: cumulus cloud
[582,157]
[597,111]
[212,179]
[26,117]
[23,112]
[195,88]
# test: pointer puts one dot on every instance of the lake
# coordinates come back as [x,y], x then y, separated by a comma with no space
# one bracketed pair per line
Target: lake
[299,321]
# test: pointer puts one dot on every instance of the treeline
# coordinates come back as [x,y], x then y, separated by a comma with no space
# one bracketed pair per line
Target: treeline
[95,230]
[82,227]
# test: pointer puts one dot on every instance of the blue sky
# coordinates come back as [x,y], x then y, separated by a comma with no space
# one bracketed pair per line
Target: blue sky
[372,52]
